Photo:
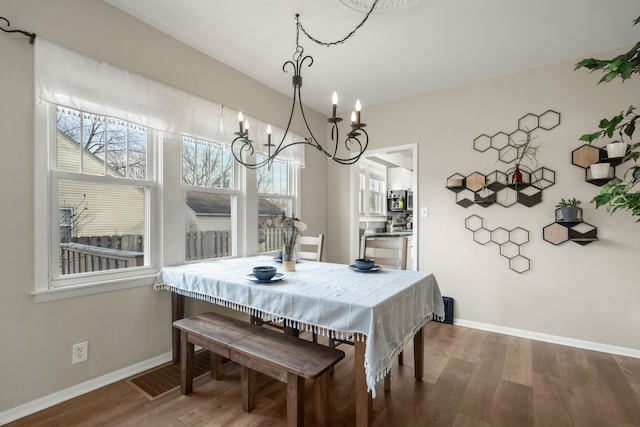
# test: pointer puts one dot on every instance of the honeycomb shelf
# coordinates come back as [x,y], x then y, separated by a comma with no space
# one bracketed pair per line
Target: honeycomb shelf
[587,155]
[578,231]
[494,188]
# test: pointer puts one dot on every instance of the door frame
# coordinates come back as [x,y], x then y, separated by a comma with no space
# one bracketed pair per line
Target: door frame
[354,238]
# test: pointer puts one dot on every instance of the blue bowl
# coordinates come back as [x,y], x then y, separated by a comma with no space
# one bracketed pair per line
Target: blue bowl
[364,263]
[264,272]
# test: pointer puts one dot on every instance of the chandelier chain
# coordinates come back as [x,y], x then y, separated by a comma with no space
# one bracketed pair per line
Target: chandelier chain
[299,28]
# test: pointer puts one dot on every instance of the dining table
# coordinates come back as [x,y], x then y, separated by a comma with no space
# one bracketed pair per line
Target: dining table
[382,310]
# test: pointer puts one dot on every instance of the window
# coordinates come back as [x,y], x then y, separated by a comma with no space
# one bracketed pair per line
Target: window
[99,174]
[276,187]
[117,184]
[372,188]
[211,199]
[376,194]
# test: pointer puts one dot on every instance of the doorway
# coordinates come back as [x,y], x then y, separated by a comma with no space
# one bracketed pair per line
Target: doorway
[399,167]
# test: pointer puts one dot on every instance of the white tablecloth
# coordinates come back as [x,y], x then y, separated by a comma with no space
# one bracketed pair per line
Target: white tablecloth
[387,306]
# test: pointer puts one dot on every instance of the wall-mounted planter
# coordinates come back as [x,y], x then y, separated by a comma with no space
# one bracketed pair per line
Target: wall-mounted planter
[569,214]
[564,231]
[600,170]
[616,150]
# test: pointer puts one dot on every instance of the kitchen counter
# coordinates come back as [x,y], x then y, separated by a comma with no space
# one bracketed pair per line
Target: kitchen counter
[392,234]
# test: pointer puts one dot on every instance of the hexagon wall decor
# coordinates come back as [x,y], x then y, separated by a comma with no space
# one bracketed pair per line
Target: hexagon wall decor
[502,191]
[508,241]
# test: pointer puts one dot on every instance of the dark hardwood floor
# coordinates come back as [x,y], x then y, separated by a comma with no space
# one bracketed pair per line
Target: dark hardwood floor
[472,378]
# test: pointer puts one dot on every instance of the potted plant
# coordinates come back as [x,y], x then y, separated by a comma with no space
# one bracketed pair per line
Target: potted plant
[619,194]
[569,210]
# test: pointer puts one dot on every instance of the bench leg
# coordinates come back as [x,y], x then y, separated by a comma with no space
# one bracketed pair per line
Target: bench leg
[387,382]
[248,387]
[321,397]
[215,361]
[295,400]
[186,364]
[418,353]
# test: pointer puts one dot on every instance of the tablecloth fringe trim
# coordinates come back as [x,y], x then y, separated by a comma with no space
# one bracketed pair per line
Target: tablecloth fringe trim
[267,317]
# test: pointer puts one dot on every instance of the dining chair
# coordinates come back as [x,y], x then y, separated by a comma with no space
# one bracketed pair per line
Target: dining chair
[310,247]
[388,252]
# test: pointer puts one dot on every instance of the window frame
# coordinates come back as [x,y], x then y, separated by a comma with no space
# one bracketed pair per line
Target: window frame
[49,283]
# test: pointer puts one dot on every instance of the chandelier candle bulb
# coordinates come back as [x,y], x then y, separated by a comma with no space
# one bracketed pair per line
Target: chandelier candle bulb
[358,108]
[240,120]
[269,134]
[353,118]
[334,101]
[246,127]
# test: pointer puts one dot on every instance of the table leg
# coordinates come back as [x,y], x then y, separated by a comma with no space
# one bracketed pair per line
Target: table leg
[177,312]
[363,397]
[418,353]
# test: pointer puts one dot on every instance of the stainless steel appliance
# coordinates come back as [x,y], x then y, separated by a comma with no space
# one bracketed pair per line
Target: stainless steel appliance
[399,201]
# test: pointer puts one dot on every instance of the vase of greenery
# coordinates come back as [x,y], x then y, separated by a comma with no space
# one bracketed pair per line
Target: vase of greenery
[619,193]
[569,210]
[291,229]
[526,152]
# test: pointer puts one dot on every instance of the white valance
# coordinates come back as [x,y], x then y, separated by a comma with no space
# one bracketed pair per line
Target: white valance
[68,78]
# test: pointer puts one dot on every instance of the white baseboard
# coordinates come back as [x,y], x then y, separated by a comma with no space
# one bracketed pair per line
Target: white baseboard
[587,345]
[77,390]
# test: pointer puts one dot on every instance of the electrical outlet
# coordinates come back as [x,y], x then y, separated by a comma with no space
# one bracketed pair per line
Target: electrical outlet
[424,212]
[80,352]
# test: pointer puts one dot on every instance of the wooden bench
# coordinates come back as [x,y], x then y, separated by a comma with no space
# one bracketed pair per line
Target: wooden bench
[256,349]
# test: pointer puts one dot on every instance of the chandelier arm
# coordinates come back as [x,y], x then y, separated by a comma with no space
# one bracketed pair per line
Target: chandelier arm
[333,43]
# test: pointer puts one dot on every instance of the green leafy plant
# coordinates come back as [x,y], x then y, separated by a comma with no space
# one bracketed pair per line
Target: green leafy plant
[619,194]
[569,202]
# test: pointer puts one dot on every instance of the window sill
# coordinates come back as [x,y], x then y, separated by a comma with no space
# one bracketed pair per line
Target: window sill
[55,294]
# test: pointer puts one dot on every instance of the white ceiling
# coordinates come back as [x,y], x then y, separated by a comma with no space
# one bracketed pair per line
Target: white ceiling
[430,46]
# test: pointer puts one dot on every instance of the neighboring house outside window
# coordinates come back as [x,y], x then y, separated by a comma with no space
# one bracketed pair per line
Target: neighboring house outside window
[211,199]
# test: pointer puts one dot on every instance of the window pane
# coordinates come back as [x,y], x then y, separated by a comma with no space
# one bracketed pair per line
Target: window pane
[137,156]
[93,141]
[124,145]
[270,210]
[116,148]
[68,148]
[376,194]
[274,180]
[106,224]
[362,189]
[207,225]
[207,164]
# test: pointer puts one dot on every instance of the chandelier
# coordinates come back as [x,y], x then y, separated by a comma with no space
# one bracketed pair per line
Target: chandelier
[355,142]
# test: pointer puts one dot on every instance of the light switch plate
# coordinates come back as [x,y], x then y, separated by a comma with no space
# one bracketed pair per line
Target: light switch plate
[424,212]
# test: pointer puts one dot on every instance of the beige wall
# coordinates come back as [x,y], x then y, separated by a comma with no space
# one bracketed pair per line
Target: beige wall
[584,293]
[122,327]
[589,293]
